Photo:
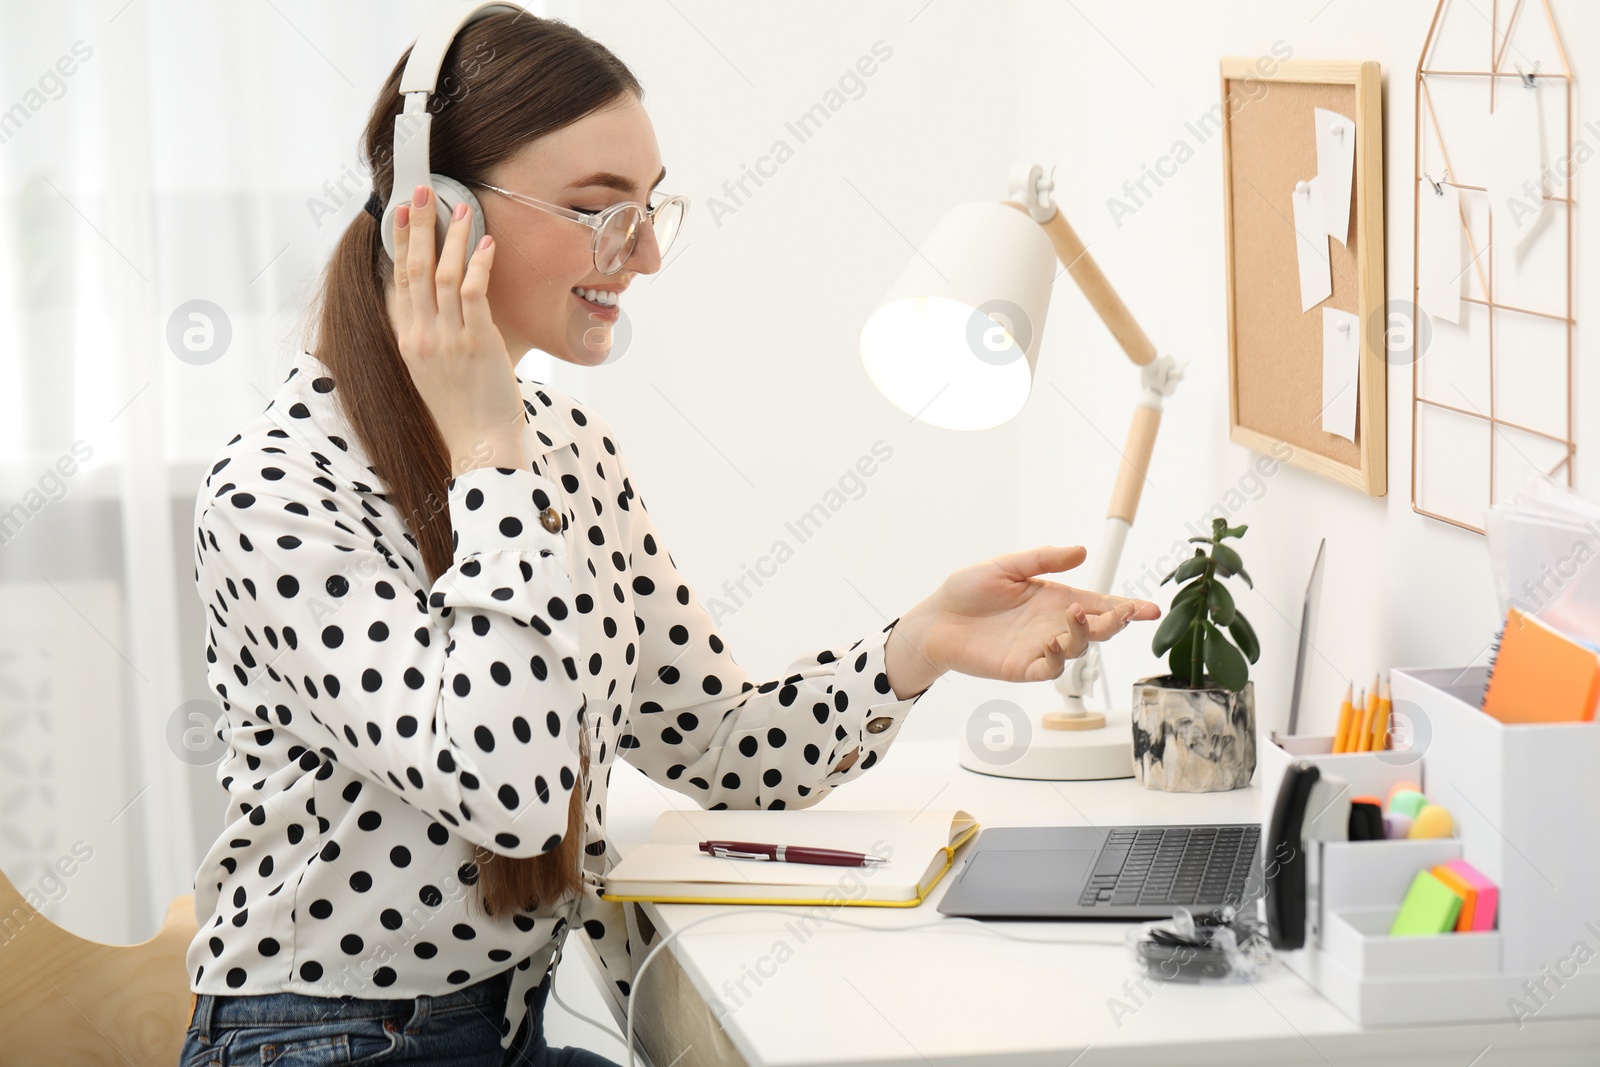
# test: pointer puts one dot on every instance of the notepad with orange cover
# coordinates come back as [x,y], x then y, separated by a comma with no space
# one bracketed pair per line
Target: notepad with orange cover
[919,847]
[1541,675]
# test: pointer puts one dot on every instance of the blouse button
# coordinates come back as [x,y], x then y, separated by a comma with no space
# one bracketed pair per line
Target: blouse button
[878,725]
[550,518]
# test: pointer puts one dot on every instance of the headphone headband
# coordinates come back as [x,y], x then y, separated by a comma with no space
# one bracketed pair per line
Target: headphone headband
[414,125]
[433,41]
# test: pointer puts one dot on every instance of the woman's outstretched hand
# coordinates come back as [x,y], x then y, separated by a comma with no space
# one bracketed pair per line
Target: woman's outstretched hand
[997,619]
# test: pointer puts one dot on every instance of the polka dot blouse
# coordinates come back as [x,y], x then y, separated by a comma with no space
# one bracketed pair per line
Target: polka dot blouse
[381,729]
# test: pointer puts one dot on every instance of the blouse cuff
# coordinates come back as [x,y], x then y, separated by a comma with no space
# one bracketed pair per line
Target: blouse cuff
[509,552]
[870,716]
[504,509]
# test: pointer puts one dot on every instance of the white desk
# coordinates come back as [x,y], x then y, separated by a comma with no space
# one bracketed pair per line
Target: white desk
[958,996]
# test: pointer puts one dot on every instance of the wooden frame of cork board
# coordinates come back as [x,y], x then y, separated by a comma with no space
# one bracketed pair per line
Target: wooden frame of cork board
[1275,349]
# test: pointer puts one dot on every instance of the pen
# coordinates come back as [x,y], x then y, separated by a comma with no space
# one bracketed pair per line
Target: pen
[755,850]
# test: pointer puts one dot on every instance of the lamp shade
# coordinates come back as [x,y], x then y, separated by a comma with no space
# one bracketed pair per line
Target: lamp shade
[954,340]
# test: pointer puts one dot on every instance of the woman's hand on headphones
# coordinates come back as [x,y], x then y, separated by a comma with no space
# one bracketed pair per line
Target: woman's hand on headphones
[457,357]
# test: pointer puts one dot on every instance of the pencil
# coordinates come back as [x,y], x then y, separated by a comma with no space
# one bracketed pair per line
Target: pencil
[1361,741]
[1380,726]
[1341,736]
[1371,741]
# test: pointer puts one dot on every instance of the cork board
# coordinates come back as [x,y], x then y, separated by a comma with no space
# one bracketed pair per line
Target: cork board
[1275,348]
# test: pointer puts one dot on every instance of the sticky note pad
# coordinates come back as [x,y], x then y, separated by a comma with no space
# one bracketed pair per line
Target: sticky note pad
[1463,889]
[1430,907]
[1488,894]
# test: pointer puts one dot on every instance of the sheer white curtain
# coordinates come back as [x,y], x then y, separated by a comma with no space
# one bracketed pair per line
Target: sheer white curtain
[176,173]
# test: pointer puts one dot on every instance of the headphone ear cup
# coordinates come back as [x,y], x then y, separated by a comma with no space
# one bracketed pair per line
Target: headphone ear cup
[450,193]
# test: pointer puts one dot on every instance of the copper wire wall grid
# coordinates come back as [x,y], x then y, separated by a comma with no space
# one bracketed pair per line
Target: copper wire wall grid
[1498,46]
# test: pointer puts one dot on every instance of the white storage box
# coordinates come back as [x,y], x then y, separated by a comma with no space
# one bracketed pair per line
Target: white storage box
[1526,803]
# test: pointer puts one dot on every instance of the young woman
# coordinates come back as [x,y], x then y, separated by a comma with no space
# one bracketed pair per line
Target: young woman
[438,609]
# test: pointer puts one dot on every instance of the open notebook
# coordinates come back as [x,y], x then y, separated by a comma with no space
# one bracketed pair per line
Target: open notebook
[670,868]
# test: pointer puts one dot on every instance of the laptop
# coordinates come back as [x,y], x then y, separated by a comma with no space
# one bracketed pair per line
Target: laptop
[1108,872]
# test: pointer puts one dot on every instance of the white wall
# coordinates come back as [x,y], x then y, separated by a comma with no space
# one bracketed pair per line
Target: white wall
[1401,589]
[752,336]
[742,400]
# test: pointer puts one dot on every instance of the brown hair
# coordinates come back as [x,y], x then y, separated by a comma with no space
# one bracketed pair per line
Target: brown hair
[507,79]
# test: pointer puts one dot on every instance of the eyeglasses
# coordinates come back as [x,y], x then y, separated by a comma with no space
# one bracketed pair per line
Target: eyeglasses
[617,226]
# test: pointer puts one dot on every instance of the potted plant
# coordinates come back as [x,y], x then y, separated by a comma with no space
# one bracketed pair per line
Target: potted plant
[1194,730]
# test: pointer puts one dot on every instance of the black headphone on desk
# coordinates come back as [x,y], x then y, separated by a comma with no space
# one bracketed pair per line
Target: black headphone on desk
[414,124]
[1309,808]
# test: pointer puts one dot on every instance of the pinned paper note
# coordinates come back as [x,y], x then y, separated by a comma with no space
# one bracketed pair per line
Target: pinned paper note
[1440,267]
[1311,244]
[1341,347]
[1515,163]
[1336,164]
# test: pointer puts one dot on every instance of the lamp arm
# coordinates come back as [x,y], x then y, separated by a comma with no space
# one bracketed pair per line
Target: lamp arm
[1096,287]
[1160,378]
[1030,191]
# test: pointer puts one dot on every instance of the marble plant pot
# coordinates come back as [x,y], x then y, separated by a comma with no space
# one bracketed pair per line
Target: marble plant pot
[1193,740]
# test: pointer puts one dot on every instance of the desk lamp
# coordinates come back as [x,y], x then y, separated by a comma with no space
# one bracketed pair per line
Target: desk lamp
[954,343]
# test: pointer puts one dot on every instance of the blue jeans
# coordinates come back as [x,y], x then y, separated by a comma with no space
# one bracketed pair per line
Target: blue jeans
[292,1030]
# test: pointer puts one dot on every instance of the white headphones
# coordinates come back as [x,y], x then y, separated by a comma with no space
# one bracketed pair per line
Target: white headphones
[414,124]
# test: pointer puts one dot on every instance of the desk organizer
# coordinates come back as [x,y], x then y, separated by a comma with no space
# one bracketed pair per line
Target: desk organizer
[1526,804]
[1369,773]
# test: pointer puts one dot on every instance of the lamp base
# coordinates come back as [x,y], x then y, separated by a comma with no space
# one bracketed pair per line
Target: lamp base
[1063,755]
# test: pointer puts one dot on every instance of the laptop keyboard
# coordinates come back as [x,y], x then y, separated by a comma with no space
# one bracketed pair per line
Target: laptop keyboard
[1177,865]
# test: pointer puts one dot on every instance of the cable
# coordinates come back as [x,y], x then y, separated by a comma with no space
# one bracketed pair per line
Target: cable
[949,922]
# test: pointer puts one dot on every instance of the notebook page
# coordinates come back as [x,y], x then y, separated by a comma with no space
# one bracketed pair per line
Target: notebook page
[908,840]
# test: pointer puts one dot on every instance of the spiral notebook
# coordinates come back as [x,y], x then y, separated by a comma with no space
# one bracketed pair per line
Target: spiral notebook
[919,848]
[1539,674]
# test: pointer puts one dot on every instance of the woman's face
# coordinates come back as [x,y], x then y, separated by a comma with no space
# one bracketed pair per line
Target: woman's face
[605,157]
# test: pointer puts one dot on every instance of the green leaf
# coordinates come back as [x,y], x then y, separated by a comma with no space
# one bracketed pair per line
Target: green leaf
[1178,572]
[1228,561]
[1235,531]
[1226,665]
[1242,574]
[1202,540]
[1192,591]
[1178,658]
[1244,635]
[1192,567]
[1173,626]
[1222,609]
